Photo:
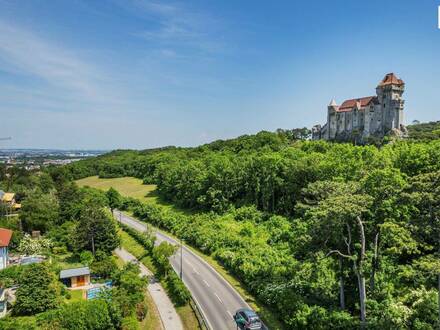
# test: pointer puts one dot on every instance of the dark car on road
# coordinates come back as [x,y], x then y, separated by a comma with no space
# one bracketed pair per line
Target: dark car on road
[247,319]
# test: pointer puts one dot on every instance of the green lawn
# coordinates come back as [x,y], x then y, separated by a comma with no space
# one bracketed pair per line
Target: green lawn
[75,295]
[130,244]
[129,187]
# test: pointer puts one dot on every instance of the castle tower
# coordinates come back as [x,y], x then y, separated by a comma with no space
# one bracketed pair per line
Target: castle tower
[389,94]
[332,108]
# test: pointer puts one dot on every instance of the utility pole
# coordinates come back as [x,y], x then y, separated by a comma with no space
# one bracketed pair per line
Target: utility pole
[181,259]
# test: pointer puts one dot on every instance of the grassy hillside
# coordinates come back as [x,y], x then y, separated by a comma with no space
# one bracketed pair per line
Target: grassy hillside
[128,187]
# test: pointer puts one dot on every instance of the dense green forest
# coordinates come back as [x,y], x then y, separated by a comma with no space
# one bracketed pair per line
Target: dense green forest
[329,235]
[425,131]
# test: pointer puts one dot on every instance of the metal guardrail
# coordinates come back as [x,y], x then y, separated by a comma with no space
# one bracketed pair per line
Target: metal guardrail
[200,318]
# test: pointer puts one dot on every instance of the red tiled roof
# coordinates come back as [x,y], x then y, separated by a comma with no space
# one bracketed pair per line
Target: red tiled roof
[5,237]
[391,79]
[347,105]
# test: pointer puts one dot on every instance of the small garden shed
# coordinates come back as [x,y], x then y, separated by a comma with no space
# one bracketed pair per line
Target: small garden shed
[75,277]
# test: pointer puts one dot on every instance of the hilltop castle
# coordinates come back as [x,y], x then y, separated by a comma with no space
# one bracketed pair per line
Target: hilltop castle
[371,116]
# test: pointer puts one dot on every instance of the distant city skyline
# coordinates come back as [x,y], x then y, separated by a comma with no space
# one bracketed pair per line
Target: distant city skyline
[141,74]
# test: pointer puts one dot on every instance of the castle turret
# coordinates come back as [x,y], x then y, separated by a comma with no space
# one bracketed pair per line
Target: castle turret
[332,108]
[389,94]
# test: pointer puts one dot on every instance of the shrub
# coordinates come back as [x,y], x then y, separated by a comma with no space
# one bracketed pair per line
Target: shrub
[59,250]
[141,310]
[161,254]
[130,323]
[38,290]
[146,239]
[86,257]
[80,315]
[11,275]
[104,268]
[177,289]
[18,323]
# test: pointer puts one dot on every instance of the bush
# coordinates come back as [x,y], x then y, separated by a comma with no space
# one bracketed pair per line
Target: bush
[104,268]
[161,256]
[81,315]
[177,289]
[130,323]
[86,257]
[141,310]
[38,290]
[11,275]
[18,323]
[59,250]
[146,239]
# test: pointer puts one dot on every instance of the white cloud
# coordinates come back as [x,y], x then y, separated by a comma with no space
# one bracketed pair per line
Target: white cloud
[174,25]
[26,53]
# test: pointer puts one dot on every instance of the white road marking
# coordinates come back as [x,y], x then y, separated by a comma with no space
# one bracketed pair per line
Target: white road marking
[207,284]
[218,298]
[230,314]
[195,271]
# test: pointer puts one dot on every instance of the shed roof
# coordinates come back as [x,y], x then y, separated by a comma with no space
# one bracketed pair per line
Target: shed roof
[67,273]
[5,237]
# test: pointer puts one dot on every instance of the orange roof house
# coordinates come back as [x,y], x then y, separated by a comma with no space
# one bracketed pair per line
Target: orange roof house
[5,238]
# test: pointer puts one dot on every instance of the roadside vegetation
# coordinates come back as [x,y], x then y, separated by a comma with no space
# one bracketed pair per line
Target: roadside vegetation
[156,259]
[327,235]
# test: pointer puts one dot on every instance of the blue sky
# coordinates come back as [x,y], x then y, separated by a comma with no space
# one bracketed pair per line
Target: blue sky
[140,73]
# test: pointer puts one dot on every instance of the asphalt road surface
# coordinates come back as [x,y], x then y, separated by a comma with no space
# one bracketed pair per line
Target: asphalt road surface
[215,297]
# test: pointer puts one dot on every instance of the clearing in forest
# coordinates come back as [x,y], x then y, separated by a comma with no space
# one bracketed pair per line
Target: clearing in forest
[127,186]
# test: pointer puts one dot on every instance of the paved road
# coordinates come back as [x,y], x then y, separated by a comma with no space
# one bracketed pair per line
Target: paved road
[216,298]
[170,318]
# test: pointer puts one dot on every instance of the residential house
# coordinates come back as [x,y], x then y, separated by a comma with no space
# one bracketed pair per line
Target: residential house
[8,199]
[75,277]
[5,238]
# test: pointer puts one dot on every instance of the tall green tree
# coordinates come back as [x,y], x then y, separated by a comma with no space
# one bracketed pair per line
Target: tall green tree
[39,212]
[341,216]
[70,200]
[96,231]
[114,199]
[384,186]
[38,290]
[424,194]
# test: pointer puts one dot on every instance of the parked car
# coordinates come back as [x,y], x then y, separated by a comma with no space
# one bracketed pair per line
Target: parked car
[247,319]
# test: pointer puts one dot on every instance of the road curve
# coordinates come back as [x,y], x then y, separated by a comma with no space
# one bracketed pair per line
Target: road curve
[168,315]
[217,299]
